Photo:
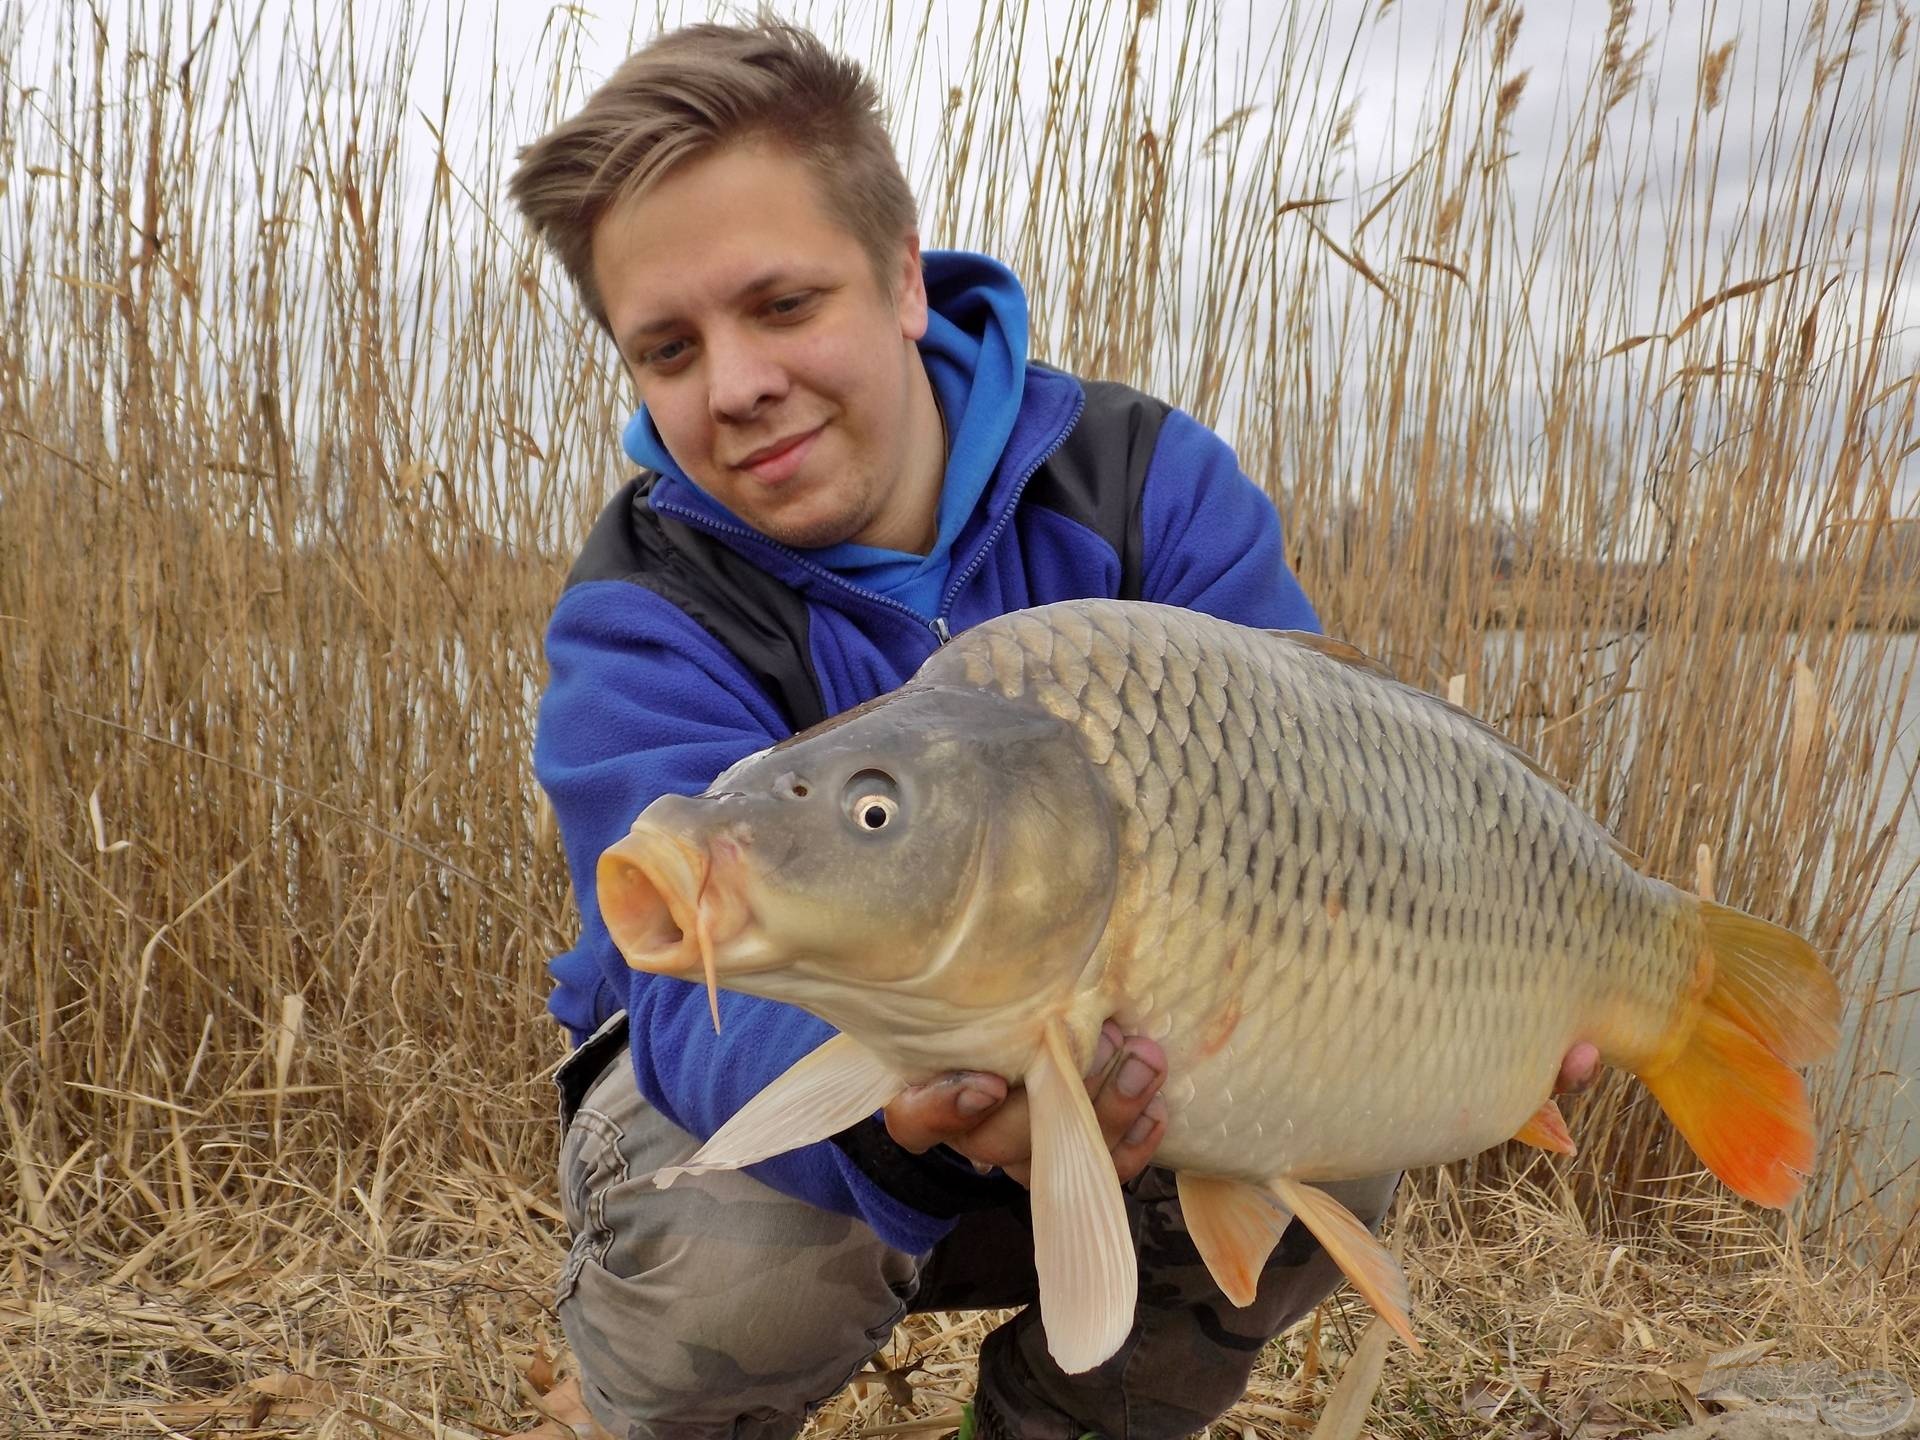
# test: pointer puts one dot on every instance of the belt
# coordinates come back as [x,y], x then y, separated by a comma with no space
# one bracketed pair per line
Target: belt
[582,1070]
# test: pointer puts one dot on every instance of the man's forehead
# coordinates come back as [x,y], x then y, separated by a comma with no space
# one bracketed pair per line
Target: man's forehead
[721,230]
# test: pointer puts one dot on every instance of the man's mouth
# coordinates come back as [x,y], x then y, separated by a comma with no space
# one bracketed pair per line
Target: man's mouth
[780,461]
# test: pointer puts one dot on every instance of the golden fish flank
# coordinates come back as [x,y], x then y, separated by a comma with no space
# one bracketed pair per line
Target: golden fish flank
[1364,927]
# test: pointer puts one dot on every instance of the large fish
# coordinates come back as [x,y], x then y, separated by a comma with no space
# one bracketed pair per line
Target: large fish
[1363,926]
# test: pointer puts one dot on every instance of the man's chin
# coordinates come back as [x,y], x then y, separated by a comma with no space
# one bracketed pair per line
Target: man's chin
[801,513]
[806,532]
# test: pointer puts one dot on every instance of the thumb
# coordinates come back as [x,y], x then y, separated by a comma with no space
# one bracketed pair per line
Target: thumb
[943,1109]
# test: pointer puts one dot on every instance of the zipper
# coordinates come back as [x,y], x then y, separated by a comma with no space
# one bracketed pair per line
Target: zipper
[938,624]
[705,522]
[1006,516]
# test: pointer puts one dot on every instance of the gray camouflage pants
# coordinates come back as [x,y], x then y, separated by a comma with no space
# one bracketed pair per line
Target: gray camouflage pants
[722,1308]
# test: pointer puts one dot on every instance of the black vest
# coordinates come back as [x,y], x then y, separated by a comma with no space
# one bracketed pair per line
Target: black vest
[1094,478]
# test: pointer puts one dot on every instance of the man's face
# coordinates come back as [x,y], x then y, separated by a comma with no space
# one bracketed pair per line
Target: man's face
[776,366]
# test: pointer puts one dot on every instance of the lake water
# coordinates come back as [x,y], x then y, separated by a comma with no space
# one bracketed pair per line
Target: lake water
[1887,1022]
[1896,907]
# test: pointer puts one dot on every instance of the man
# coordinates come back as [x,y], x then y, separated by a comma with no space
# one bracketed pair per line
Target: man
[848,458]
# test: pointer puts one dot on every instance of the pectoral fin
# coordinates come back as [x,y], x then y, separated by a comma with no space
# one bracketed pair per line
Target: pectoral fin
[1234,1226]
[820,1094]
[1082,1246]
[1364,1260]
[1547,1130]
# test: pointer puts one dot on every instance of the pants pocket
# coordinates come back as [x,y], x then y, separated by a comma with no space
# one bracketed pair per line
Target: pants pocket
[590,1162]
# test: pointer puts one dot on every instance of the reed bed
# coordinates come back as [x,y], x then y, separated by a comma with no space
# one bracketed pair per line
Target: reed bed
[297,433]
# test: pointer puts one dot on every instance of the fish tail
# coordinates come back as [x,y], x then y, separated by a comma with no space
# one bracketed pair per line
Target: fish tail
[1765,1005]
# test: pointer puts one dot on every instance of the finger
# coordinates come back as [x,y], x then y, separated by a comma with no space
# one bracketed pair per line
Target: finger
[1579,1069]
[1005,1138]
[1136,1147]
[1123,1093]
[943,1109]
[1108,1046]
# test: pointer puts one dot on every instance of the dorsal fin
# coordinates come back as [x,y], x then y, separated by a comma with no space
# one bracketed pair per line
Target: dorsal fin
[1339,650]
[1633,857]
[1349,654]
[1352,655]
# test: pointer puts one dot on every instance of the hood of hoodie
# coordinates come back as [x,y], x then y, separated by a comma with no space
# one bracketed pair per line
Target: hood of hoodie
[975,351]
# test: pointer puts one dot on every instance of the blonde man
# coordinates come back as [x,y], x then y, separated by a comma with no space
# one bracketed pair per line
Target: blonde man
[847,457]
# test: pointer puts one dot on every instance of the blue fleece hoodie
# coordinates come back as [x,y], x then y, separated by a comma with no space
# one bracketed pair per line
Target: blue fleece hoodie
[642,702]
[975,351]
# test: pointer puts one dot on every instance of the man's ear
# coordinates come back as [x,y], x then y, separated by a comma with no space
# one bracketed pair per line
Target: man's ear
[910,289]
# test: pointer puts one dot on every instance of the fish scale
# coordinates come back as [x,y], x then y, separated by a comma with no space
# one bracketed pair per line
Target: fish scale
[1364,928]
[1369,783]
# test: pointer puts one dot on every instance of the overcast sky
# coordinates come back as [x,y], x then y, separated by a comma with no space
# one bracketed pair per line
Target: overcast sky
[1371,61]
[1379,57]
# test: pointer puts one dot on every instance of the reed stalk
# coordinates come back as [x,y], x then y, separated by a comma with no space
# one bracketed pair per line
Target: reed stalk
[297,433]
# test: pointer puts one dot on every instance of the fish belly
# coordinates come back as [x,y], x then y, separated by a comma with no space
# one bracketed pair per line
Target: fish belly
[1365,927]
[1323,1085]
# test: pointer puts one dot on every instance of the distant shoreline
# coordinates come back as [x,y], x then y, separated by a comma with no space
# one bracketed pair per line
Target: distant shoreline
[1622,603]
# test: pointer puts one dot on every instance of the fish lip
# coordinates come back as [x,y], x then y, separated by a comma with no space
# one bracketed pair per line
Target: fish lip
[659,889]
[649,884]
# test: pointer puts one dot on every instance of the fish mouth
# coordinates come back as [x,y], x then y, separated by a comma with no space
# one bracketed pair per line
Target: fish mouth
[672,905]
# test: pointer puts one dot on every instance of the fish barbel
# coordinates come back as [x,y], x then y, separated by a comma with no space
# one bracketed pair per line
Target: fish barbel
[1364,927]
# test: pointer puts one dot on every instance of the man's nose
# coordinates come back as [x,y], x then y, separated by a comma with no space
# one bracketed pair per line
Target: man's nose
[742,377]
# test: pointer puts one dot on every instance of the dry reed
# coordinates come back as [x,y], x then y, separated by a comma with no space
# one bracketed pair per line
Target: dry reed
[294,449]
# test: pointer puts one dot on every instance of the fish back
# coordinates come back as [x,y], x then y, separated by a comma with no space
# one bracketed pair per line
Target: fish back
[1358,919]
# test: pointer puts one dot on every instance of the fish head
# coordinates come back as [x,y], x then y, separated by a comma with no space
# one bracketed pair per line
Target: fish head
[943,843]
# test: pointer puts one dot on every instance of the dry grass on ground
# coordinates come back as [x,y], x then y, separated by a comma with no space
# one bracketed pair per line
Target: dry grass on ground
[1531,1321]
[294,452]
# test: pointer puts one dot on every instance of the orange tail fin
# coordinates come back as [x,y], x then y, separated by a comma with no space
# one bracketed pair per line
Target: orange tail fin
[1732,1090]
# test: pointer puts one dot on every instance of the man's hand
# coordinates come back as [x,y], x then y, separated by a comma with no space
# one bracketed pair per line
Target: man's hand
[985,1119]
[1579,1070]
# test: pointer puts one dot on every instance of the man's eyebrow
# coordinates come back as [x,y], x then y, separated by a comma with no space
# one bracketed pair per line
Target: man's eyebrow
[765,281]
[630,340]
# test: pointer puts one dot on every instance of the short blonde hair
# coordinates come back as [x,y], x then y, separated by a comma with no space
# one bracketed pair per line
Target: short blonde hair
[693,91]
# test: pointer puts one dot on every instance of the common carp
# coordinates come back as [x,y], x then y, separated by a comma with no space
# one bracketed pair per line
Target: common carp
[1364,927]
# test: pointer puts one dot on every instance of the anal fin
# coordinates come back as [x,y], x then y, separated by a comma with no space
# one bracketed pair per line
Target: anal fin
[820,1094]
[1083,1252]
[1363,1259]
[1547,1130]
[1234,1226]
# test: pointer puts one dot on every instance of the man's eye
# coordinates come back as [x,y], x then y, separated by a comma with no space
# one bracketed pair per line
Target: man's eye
[664,354]
[790,304]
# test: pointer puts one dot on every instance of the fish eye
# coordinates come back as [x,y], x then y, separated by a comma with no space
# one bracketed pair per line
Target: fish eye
[872,800]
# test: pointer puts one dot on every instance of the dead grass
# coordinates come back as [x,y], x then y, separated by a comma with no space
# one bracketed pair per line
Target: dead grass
[1531,1319]
[294,458]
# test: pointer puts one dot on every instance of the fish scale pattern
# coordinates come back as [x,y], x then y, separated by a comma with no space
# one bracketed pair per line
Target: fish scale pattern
[1361,923]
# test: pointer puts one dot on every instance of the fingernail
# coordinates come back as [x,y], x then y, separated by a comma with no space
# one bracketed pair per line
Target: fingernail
[1104,1051]
[1135,1076]
[975,1100]
[1141,1129]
